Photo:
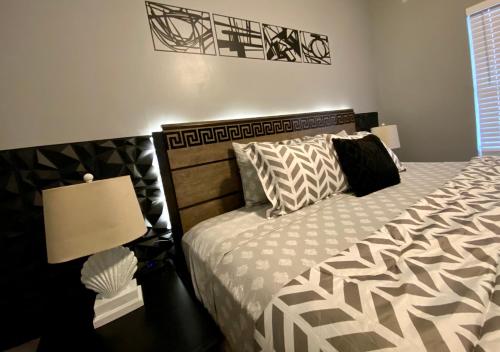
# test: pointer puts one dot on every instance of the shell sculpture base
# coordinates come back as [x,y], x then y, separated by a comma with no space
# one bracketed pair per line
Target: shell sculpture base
[110,274]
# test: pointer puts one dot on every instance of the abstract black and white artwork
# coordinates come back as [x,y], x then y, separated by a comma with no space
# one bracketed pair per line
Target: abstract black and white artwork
[238,37]
[315,48]
[281,43]
[179,29]
[183,30]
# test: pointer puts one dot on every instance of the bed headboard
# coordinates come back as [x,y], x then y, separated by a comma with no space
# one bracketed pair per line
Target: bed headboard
[198,166]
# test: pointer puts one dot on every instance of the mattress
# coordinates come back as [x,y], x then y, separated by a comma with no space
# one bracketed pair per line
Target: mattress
[240,259]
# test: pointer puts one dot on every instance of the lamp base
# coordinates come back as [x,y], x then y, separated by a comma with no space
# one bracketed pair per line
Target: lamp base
[109,309]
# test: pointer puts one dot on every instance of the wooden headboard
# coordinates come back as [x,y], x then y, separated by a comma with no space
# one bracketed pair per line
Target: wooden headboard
[198,166]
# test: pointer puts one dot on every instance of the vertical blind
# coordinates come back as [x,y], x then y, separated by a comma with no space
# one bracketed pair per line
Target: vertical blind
[484,34]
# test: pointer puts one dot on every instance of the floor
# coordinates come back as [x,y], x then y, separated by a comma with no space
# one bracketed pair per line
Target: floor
[27,347]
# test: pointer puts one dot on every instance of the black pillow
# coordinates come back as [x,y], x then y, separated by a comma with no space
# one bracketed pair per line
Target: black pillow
[366,164]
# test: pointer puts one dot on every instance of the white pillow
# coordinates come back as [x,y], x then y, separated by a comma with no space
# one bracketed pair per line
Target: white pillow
[252,188]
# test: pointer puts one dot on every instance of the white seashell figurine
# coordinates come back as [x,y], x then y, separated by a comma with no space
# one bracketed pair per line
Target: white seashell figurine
[109,272]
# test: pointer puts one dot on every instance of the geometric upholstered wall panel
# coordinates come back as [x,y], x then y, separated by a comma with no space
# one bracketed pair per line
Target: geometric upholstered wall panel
[24,173]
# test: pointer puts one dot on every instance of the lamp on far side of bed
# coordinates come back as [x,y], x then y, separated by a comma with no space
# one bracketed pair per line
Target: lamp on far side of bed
[388,134]
[96,218]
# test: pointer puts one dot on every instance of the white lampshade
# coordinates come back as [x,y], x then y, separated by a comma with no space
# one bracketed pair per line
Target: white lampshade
[90,217]
[388,134]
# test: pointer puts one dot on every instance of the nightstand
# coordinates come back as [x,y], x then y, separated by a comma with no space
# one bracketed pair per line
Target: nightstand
[170,320]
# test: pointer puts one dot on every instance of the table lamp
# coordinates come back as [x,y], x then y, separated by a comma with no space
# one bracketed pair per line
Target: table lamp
[96,218]
[387,134]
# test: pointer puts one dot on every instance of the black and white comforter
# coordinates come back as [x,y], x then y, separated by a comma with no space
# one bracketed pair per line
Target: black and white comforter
[240,259]
[427,281]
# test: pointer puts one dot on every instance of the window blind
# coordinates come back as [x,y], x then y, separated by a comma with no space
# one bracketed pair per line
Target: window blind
[484,37]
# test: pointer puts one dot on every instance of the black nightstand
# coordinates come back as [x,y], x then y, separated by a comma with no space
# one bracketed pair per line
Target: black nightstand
[170,321]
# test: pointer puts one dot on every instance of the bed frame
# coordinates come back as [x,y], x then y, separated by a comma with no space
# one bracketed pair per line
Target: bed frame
[198,167]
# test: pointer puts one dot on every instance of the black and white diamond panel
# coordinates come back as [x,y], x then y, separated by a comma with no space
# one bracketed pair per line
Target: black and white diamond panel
[24,173]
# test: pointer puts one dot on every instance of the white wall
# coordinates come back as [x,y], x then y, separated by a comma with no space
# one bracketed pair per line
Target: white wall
[424,78]
[86,69]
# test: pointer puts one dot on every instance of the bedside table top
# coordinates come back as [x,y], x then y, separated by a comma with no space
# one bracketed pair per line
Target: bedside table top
[170,320]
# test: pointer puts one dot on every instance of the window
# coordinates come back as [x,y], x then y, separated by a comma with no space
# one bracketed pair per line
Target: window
[484,37]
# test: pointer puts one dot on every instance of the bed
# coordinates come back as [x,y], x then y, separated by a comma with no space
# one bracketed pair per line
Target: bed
[256,275]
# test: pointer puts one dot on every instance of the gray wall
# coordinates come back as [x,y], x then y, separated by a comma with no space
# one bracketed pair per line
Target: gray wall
[423,76]
[86,69]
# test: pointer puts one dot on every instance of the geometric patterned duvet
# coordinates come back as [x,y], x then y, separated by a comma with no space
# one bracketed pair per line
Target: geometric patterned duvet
[427,281]
[239,260]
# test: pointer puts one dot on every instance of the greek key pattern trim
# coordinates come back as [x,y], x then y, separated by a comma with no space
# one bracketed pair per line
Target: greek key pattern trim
[224,132]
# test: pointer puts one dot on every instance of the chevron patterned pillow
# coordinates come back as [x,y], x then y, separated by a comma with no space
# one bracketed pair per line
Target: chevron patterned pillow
[328,136]
[252,188]
[294,176]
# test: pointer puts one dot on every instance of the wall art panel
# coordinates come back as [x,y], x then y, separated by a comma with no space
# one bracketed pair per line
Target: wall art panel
[315,48]
[281,43]
[179,29]
[237,37]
